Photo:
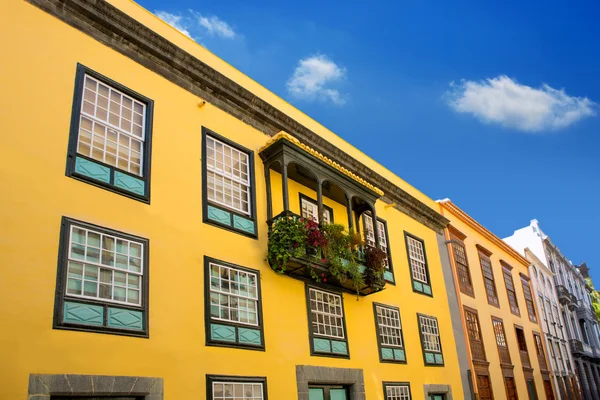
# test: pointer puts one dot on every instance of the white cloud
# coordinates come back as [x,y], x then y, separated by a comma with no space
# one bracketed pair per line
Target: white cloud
[194,25]
[214,26]
[311,77]
[504,101]
[176,21]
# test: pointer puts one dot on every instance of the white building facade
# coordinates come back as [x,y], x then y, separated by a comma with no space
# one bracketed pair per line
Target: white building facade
[568,320]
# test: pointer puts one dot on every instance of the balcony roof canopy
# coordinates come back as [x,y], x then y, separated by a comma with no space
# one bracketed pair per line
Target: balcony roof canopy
[311,167]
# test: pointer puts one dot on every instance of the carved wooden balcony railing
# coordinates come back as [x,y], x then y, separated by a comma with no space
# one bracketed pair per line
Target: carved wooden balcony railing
[300,268]
[504,355]
[477,350]
[525,359]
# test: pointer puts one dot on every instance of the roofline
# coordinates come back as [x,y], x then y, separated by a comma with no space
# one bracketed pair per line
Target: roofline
[537,262]
[472,223]
[119,31]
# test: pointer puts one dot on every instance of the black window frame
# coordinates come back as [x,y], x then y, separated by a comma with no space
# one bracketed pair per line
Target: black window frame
[61,281]
[251,178]
[311,335]
[207,313]
[210,379]
[410,270]
[387,240]
[72,155]
[379,344]
[302,196]
[389,383]
[441,352]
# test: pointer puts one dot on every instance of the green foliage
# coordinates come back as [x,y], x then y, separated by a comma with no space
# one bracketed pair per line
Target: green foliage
[287,239]
[595,295]
[375,265]
[328,244]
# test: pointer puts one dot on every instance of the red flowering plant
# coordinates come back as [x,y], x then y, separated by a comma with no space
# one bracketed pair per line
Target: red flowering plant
[315,240]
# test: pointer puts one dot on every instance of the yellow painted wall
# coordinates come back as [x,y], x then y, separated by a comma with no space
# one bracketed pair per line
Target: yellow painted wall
[486,311]
[36,78]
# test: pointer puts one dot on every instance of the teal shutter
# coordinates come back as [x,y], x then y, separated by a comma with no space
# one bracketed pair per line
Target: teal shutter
[337,394]
[316,394]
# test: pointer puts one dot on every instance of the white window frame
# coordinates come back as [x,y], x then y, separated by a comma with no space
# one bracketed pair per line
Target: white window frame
[326,315]
[230,294]
[430,332]
[418,262]
[389,322]
[397,392]
[307,205]
[110,128]
[100,265]
[228,178]
[370,236]
[233,384]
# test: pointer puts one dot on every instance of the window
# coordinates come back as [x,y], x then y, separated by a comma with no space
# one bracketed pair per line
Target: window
[228,185]
[396,391]
[110,136]
[328,392]
[310,210]
[474,332]
[236,388]
[531,391]
[383,242]
[462,264]
[326,323]
[389,333]
[488,276]
[510,291]
[501,341]
[525,361]
[233,305]
[430,340]
[417,259]
[528,299]
[102,280]
[539,349]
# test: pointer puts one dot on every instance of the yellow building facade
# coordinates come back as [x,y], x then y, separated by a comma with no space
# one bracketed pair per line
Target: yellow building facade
[505,345]
[141,177]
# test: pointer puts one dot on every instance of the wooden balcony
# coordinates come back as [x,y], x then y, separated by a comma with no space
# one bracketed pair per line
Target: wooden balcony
[542,362]
[307,264]
[477,350]
[286,157]
[504,355]
[525,359]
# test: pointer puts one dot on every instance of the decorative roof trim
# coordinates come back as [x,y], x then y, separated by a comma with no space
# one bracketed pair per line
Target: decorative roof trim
[286,136]
[472,223]
[119,31]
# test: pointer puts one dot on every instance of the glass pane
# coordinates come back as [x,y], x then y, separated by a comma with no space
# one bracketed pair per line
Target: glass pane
[316,394]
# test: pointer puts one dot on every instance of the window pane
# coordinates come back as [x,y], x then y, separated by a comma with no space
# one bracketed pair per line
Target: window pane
[96,267]
[234,294]
[327,315]
[101,118]
[227,176]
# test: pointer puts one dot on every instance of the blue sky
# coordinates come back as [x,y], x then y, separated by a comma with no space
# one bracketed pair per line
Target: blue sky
[492,104]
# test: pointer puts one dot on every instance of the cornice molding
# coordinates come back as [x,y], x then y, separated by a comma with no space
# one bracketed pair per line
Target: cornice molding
[114,28]
[473,224]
